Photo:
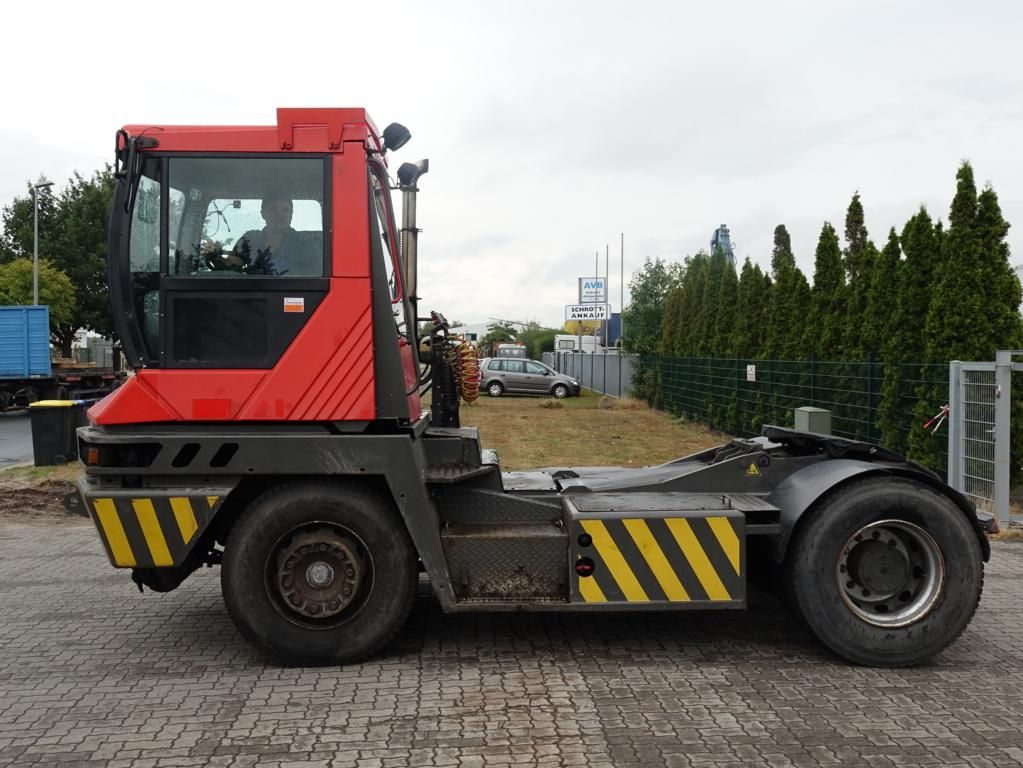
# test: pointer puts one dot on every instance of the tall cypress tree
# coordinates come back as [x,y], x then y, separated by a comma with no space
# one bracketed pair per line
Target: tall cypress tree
[825,334]
[959,317]
[691,305]
[878,328]
[883,297]
[750,327]
[1001,280]
[724,302]
[858,258]
[921,243]
[789,298]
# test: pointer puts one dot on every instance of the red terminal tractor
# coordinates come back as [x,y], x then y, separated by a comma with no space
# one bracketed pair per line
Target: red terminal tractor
[266,301]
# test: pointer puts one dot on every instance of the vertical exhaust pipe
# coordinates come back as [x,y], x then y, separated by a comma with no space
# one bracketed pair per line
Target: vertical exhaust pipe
[408,177]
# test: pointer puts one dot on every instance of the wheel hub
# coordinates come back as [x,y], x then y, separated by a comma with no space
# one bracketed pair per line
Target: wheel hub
[319,572]
[890,573]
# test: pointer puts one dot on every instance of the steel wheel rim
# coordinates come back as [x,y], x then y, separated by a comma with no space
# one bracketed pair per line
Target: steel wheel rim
[560,391]
[494,390]
[319,575]
[890,573]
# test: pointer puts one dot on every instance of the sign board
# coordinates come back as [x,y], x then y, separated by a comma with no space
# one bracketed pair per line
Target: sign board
[587,311]
[751,373]
[592,290]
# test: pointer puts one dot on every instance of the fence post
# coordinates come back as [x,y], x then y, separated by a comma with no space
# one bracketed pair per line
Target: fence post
[870,397]
[955,422]
[1003,415]
[813,381]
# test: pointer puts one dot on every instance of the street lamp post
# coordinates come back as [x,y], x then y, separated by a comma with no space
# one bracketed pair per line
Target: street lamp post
[35,239]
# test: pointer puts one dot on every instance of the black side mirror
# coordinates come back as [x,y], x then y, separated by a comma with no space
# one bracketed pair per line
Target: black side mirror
[396,136]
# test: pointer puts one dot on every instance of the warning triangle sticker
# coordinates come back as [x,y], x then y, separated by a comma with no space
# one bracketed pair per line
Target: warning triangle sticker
[753,470]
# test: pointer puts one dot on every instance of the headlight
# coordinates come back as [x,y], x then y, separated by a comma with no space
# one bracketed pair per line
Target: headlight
[574,383]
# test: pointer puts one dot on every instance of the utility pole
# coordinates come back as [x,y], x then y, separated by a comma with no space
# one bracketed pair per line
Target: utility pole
[35,239]
[621,306]
[607,290]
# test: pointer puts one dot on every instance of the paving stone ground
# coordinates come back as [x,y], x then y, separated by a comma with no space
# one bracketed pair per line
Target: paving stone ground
[94,674]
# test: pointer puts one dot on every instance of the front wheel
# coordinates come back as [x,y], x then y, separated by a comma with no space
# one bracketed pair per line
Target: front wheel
[560,391]
[319,573]
[887,572]
[494,389]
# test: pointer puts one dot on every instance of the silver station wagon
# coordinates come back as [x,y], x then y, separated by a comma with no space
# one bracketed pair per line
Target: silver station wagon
[526,377]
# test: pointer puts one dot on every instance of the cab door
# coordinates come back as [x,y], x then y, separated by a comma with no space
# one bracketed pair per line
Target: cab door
[211,287]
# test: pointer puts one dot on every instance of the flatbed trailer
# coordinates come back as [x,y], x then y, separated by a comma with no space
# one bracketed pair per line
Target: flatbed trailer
[274,427]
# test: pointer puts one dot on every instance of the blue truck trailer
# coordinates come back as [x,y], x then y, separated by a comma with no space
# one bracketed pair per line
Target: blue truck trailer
[27,373]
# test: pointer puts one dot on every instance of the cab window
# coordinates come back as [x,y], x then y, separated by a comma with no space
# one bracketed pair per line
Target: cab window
[247,216]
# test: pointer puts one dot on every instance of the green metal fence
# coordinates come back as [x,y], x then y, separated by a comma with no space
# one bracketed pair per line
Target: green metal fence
[739,395]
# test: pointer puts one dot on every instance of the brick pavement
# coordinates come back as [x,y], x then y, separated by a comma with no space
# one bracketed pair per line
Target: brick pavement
[94,674]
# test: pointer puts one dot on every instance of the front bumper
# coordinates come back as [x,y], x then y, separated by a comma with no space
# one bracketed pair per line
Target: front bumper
[147,527]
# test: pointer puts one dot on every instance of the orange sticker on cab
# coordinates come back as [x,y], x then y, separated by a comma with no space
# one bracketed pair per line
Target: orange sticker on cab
[294,305]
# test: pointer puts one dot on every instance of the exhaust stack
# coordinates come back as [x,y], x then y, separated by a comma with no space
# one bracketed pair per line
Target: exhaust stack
[408,176]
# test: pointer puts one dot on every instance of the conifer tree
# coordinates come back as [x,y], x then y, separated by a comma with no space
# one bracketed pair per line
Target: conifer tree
[921,244]
[787,308]
[724,304]
[959,316]
[974,307]
[671,326]
[691,304]
[858,259]
[883,297]
[1003,286]
[825,330]
[878,328]
[747,333]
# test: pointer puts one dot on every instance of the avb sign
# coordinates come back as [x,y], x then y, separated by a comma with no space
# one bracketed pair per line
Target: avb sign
[592,290]
[587,311]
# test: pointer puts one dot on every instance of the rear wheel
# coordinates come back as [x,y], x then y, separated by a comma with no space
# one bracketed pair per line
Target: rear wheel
[560,391]
[494,389]
[319,573]
[888,572]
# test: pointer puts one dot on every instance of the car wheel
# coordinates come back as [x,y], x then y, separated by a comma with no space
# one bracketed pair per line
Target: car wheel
[494,389]
[560,391]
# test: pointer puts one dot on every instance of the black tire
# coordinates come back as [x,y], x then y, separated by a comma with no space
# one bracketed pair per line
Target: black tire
[559,391]
[495,389]
[359,520]
[909,525]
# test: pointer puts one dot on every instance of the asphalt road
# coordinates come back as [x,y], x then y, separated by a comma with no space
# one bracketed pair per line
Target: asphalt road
[95,675]
[15,438]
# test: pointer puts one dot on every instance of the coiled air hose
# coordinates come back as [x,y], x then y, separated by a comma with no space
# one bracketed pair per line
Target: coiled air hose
[469,371]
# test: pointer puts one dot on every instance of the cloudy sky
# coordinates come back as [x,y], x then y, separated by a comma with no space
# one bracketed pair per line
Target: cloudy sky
[552,127]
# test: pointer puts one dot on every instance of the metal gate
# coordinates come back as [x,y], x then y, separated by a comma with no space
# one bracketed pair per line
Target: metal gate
[979,435]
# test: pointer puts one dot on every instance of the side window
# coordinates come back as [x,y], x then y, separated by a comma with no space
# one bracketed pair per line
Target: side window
[144,254]
[532,367]
[250,216]
[515,366]
[494,365]
[380,198]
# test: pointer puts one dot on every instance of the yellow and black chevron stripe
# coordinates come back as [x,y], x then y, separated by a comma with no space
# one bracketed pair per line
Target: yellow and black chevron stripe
[662,560]
[152,531]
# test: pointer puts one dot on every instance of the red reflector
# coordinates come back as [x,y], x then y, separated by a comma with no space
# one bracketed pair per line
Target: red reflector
[584,566]
[92,456]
